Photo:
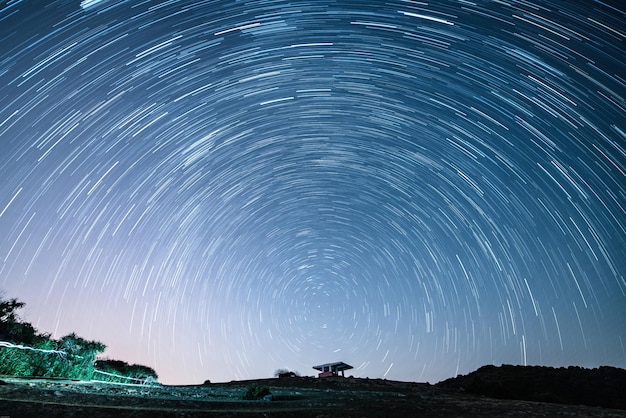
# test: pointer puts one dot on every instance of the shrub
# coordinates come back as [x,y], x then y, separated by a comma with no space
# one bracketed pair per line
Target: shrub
[121,372]
[256,392]
[279,372]
[282,373]
[25,352]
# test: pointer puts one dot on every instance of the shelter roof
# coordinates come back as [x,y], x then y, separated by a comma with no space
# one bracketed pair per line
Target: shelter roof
[338,366]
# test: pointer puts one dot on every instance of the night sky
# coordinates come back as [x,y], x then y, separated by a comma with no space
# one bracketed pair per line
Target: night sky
[218,189]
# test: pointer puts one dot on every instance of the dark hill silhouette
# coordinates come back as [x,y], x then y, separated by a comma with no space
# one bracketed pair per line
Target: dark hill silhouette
[604,386]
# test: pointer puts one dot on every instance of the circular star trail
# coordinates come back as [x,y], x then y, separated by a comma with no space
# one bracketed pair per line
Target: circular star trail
[218,189]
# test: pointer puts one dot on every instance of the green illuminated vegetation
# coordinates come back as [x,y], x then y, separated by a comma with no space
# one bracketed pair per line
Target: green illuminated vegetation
[26,352]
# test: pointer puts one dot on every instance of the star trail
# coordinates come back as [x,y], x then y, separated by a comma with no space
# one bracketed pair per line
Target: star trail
[218,189]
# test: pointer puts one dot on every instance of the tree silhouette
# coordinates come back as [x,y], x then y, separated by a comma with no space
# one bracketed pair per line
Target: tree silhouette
[11,326]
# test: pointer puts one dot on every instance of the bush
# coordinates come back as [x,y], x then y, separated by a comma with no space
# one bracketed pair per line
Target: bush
[282,373]
[15,362]
[26,352]
[70,357]
[121,372]
[256,392]
[279,372]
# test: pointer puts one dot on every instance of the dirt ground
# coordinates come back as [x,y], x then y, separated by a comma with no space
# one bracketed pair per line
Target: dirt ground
[291,397]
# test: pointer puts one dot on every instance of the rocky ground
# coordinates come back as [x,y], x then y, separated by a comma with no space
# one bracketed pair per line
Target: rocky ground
[291,397]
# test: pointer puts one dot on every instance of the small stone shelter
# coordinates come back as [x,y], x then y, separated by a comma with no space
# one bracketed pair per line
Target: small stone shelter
[332,369]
